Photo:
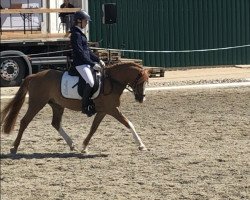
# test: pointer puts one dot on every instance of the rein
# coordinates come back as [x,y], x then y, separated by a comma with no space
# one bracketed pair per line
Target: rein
[127,86]
[129,89]
[111,83]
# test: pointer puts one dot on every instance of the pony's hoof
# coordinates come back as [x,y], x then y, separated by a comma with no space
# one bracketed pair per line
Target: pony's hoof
[85,151]
[142,148]
[13,150]
[73,148]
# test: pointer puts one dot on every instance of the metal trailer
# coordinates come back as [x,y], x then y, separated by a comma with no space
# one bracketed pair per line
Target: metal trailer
[20,58]
[26,53]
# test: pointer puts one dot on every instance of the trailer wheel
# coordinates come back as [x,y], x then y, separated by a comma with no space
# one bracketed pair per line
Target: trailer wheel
[12,71]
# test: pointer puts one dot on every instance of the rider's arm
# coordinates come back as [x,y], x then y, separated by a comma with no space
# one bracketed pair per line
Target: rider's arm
[79,49]
[93,56]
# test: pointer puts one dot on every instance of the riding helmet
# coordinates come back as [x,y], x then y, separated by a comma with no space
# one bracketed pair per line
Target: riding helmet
[81,14]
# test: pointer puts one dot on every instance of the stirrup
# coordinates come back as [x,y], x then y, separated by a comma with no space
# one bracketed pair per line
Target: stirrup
[89,110]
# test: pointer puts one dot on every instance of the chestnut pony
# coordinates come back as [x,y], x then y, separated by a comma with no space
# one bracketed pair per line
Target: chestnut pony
[44,87]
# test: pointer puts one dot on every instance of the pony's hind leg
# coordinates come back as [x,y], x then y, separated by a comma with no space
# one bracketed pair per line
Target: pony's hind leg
[56,123]
[33,109]
[121,118]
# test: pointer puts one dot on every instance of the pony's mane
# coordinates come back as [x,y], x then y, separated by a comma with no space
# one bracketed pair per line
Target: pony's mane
[144,73]
[126,64]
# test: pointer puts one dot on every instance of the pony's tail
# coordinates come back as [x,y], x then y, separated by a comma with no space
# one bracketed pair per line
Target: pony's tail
[10,112]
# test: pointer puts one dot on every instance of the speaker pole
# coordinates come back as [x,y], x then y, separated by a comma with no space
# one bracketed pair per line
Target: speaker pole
[109,43]
[109,17]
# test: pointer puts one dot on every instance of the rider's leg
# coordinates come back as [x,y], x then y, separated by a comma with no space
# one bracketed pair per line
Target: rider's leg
[87,103]
[85,72]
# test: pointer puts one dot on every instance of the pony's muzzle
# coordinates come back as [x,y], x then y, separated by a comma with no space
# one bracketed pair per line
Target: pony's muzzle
[140,99]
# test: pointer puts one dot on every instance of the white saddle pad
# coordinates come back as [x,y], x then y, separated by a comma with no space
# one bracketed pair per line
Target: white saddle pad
[67,89]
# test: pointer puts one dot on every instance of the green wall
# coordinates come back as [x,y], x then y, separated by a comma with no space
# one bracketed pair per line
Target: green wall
[175,25]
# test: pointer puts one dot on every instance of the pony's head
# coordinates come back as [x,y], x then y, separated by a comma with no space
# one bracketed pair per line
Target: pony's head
[130,74]
[139,85]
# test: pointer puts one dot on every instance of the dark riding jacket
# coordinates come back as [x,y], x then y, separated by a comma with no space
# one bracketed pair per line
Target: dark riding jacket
[82,54]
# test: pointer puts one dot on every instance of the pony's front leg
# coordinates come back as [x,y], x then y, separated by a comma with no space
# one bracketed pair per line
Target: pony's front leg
[97,120]
[67,139]
[121,118]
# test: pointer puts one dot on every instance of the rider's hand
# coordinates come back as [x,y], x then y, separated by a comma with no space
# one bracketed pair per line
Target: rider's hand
[102,63]
[97,67]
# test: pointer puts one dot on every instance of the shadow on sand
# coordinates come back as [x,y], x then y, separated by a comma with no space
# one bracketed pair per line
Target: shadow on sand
[51,155]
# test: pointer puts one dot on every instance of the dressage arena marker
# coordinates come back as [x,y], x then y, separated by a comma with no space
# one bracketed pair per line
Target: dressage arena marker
[183,87]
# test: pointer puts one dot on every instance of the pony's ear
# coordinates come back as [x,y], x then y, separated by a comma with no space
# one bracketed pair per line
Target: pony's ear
[149,71]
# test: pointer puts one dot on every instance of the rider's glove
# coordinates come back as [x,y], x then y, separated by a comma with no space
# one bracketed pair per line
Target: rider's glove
[102,63]
[97,67]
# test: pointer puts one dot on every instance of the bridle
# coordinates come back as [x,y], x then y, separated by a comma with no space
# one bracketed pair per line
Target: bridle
[141,77]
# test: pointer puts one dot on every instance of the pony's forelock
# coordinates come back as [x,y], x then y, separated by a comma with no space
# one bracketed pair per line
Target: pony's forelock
[144,76]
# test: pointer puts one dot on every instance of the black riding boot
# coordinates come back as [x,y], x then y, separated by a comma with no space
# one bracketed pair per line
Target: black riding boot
[88,106]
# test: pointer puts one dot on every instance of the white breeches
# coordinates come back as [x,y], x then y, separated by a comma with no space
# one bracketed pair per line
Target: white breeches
[86,74]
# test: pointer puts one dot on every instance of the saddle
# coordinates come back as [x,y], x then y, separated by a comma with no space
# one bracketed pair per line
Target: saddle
[72,85]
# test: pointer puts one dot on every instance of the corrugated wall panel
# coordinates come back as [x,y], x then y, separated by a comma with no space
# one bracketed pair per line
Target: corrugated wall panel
[176,25]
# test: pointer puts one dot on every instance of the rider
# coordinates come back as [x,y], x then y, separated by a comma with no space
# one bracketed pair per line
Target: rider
[84,59]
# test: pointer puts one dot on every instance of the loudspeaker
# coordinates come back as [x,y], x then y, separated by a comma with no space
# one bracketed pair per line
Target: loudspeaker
[109,13]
